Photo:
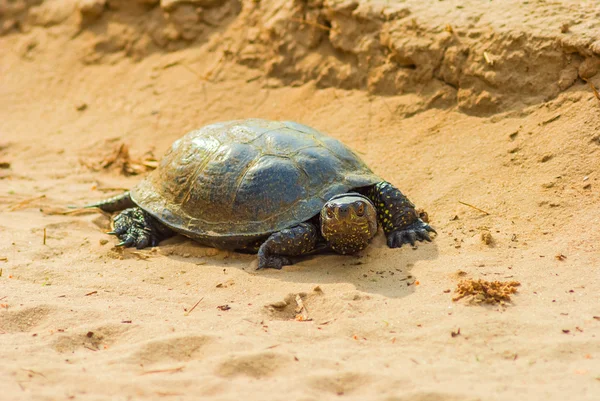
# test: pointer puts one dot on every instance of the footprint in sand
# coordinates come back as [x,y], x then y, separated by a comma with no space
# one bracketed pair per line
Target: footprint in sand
[256,365]
[54,233]
[316,306]
[339,383]
[25,320]
[175,349]
[94,339]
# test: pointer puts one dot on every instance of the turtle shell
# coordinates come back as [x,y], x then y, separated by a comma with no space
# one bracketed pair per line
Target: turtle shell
[248,178]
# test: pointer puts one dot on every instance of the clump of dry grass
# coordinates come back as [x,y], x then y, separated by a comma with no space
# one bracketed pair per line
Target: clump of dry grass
[488,292]
[120,160]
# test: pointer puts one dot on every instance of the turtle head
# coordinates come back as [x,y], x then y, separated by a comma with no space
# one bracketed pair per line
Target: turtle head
[348,222]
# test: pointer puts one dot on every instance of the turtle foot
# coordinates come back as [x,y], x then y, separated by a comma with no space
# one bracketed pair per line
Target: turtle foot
[273,262]
[275,252]
[417,231]
[136,228]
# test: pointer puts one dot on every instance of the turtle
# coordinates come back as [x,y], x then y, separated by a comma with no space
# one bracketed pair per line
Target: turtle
[276,188]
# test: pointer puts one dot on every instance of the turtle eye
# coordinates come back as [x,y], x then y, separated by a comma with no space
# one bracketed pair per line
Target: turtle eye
[360,210]
[329,213]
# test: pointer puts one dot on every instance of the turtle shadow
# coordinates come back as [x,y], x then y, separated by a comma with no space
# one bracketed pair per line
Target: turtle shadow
[377,270]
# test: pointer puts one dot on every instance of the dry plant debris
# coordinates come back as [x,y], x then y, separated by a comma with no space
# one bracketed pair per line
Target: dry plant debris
[172,370]
[24,204]
[486,237]
[488,292]
[120,160]
[187,312]
[593,87]
[474,207]
[61,211]
[301,312]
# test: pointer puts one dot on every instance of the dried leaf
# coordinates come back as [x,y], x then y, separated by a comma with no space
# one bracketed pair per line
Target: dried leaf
[120,160]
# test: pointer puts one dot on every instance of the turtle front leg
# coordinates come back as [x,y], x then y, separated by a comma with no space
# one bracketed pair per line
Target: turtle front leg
[135,227]
[397,216]
[275,252]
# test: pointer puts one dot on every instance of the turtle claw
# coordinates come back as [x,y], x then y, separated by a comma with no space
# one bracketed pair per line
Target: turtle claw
[273,262]
[418,231]
[424,235]
[429,228]
[143,242]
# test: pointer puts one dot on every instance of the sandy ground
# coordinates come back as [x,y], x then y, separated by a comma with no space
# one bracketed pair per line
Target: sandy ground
[455,102]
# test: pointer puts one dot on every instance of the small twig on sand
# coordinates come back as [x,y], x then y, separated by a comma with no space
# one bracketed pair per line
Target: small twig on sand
[44,242]
[311,23]
[172,370]
[550,120]
[193,307]
[594,90]
[53,211]
[24,203]
[168,394]
[208,75]
[474,207]
[488,58]
[152,164]
[90,293]
[33,372]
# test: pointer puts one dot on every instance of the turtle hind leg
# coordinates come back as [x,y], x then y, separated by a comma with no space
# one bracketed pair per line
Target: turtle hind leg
[114,204]
[137,228]
[299,240]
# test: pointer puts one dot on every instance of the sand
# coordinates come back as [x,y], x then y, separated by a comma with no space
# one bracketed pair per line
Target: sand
[456,103]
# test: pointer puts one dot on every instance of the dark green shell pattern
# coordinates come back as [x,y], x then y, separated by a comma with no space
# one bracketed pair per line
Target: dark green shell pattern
[248,178]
